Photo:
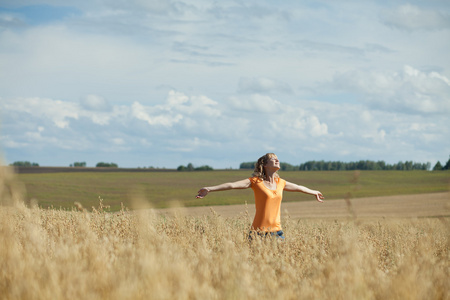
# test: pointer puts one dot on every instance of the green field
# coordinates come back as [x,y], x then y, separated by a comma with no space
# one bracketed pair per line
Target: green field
[163,189]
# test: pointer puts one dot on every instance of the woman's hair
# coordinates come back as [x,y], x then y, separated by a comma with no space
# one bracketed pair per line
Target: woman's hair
[259,171]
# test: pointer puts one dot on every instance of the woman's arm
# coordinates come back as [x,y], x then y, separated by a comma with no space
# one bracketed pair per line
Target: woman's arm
[241,184]
[291,187]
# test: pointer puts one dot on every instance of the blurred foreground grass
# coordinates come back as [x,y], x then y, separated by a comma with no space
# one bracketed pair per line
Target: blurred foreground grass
[56,254]
[141,254]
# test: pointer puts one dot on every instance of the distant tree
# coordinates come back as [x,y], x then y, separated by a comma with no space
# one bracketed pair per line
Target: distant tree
[79,164]
[247,165]
[204,168]
[437,166]
[400,166]
[24,164]
[286,167]
[340,166]
[190,167]
[447,165]
[409,165]
[106,165]
[381,165]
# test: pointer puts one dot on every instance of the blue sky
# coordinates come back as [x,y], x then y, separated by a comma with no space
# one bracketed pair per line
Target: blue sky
[165,83]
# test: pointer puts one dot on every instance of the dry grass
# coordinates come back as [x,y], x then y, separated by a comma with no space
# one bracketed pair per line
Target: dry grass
[53,254]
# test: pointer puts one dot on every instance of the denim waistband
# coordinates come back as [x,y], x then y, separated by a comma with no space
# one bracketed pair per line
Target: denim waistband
[276,234]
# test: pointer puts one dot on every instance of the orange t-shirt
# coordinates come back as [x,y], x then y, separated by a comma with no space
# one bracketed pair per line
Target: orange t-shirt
[268,205]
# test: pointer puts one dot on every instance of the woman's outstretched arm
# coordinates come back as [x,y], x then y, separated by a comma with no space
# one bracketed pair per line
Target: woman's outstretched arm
[292,187]
[241,184]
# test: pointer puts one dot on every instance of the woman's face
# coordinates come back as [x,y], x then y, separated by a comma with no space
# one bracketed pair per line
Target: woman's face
[273,162]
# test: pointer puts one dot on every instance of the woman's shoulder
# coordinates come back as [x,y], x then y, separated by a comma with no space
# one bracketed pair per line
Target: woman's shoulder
[255,179]
[281,180]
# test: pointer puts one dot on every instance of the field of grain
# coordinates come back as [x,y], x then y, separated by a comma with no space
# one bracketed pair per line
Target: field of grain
[144,254]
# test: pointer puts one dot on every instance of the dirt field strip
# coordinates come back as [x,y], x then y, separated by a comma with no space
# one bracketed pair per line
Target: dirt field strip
[421,205]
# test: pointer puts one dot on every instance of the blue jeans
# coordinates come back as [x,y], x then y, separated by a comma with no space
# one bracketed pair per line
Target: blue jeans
[276,234]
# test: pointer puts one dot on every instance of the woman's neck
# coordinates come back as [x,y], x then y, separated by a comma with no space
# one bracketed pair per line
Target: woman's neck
[270,177]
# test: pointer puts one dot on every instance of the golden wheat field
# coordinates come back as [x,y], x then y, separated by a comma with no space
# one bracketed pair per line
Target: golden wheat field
[140,254]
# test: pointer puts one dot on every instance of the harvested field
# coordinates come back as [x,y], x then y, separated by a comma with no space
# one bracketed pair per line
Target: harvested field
[421,205]
[161,189]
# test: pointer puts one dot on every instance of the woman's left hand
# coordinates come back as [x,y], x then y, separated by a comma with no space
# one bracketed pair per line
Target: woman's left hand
[319,196]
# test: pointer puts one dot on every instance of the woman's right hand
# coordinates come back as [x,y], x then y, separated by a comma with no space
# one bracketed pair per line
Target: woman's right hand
[202,193]
[319,196]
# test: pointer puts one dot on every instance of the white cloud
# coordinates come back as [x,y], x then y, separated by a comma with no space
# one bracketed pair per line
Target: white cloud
[153,117]
[256,103]
[194,105]
[95,103]
[59,112]
[180,117]
[317,128]
[295,123]
[409,90]
[377,137]
[176,99]
[411,17]
[262,85]
[174,127]
[178,108]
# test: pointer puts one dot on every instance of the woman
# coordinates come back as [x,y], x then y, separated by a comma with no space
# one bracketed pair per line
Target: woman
[268,188]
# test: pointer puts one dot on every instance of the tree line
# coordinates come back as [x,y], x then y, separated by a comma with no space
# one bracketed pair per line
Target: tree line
[439,167]
[312,165]
[75,164]
[322,165]
[190,167]
[24,164]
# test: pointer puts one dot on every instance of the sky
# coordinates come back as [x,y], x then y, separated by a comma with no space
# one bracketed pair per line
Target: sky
[165,83]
